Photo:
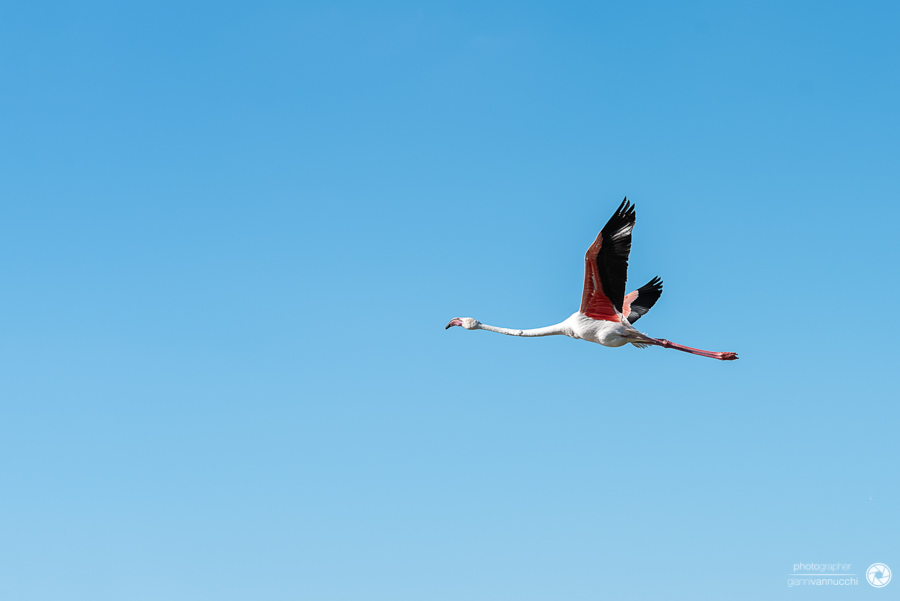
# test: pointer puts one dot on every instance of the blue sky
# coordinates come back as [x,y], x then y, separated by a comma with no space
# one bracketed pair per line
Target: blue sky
[232,235]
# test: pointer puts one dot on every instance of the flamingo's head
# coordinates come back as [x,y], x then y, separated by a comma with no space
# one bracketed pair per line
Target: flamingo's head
[466,322]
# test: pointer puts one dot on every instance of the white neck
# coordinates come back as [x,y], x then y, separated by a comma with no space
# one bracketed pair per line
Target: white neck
[554,330]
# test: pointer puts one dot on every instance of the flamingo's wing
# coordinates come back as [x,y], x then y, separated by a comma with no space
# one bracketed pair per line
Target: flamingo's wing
[606,267]
[637,303]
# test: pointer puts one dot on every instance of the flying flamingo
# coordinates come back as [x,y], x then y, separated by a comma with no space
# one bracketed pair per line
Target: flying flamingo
[607,313]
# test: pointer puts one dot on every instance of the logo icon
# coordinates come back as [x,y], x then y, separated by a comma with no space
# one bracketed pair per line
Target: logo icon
[878,575]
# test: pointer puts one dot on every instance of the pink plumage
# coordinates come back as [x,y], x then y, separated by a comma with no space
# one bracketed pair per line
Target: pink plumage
[607,314]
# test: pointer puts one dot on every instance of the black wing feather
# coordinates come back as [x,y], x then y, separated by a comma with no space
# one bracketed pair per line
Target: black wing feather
[612,260]
[647,296]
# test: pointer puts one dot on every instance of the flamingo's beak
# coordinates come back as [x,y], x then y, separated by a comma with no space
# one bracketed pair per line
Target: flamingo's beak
[456,321]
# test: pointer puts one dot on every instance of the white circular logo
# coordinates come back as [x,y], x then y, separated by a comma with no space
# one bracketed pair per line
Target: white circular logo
[878,575]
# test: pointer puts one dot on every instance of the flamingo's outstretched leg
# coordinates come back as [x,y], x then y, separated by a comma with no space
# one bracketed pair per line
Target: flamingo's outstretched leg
[694,351]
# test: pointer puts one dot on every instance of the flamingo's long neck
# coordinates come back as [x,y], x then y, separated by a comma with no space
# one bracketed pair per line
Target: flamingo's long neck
[554,330]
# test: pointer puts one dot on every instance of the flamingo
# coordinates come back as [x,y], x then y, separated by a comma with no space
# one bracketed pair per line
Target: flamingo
[607,315]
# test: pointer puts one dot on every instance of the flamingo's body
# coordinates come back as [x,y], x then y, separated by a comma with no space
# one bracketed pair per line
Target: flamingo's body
[607,314]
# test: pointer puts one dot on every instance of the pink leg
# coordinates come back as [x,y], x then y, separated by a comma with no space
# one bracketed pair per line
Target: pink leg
[696,351]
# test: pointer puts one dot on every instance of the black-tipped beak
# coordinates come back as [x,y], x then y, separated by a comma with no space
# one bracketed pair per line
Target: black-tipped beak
[456,321]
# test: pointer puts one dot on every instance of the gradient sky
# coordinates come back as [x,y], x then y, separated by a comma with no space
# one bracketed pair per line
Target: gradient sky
[232,234]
